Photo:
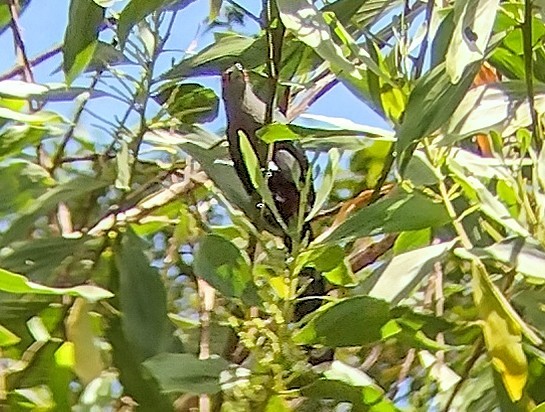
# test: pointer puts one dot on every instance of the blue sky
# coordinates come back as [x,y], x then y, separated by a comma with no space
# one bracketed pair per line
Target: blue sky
[43,26]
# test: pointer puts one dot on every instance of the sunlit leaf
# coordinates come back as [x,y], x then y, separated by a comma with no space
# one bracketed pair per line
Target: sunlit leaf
[403,272]
[81,36]
[473,21]
[14,283]
[500,107]
[88,362]
[344,383]
[525,255]
[502,333]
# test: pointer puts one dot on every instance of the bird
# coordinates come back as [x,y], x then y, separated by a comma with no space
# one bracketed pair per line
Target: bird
[288,168]
[287,173]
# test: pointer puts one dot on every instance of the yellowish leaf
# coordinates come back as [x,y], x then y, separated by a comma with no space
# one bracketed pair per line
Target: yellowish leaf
[88,362]
[502,333]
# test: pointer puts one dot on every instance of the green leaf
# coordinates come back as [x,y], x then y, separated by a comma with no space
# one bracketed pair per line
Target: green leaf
[411,240]
[81,37]
[124,170]
[473,21]
[220,263]
[40,258]
[431,104]
[142,297]
[5,14]
[41,117]
[189,102]
[399,212]
[499,107]
[344,383]
[135,11]
[136,380]
[402,273]
[524,255]
[309,26]
[224,52]
[8,338]
[258,180]
[330,260]
[326,185]
[354,321]
[490,205]
[183,372]
[20,89]
[22,182]
[483,167]
[215,7]
[49,201]
[14,283]
[330,133]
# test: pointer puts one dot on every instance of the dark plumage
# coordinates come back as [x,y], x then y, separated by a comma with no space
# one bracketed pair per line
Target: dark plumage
[246,112]
[287,173]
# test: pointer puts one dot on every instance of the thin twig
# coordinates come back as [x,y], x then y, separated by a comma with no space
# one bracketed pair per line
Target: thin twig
[419,65]
[70,132]
[19,69]
[477,352]
[529,69]
[19,43]
[245,11]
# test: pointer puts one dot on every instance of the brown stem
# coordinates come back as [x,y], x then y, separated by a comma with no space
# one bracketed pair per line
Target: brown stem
[20,68]
[19,43]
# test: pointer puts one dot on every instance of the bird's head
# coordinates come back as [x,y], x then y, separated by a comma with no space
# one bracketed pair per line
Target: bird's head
[234,81]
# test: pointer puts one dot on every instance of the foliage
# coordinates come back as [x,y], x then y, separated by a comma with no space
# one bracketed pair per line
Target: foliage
[137,273]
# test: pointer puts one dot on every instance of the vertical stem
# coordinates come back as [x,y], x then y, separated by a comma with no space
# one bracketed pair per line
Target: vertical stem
[18,40]
[529,69]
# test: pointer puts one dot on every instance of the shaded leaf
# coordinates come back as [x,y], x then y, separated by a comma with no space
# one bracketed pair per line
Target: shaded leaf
[137,10]
[223,53]
[399,212]
[220,263]
[183,372]
[189,102]
[142,297]
[49,201]
[326,185]
[431,104]
[354,321]
[136,381]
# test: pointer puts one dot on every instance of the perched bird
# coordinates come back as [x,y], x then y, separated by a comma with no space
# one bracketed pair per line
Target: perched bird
[288,170]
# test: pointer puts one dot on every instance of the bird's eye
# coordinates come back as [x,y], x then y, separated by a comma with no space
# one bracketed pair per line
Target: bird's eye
[239,66]
[226,77]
